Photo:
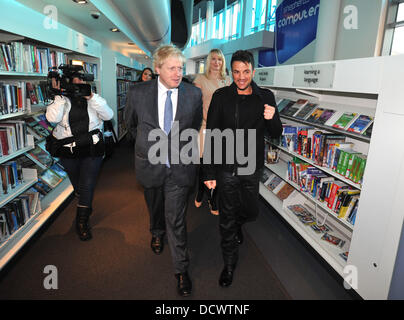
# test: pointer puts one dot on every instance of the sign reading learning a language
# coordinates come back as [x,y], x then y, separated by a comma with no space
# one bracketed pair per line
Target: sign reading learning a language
[314,76]
[265,76]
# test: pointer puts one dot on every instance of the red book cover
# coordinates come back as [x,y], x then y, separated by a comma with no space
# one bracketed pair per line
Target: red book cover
[4,142]
[31,93]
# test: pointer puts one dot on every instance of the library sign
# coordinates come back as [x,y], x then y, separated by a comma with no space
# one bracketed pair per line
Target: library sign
[265,76]
[314,76]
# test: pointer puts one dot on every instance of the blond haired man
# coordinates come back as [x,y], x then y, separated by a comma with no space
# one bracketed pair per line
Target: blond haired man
[165,107]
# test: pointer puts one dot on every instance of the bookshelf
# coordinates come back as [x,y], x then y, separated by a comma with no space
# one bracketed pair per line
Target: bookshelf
[23,76]
[371,87]
[125,76]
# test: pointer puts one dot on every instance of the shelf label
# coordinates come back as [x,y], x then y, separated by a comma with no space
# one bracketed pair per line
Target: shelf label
[265,76]
[314,76]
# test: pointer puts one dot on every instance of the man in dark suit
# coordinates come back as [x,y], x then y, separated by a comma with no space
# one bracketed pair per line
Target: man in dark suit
[157,113]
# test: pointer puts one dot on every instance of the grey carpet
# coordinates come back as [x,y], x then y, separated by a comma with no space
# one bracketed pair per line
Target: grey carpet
[119,264]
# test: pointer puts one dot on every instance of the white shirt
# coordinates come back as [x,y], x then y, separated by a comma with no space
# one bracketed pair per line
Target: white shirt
[58,113]
[162,96]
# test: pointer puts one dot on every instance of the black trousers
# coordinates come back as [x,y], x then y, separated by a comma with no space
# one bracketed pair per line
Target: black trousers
[167,206]
[238,203]
[202,189]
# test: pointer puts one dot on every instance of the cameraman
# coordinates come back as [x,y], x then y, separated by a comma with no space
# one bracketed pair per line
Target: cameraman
[79,122]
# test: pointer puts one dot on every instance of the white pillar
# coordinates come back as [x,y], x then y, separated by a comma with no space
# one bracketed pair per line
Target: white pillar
[247,17]
[327,30]
[210,7]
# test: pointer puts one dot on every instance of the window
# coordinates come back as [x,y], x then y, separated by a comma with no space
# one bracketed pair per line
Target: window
[229,30]
[394,33]
[263,15]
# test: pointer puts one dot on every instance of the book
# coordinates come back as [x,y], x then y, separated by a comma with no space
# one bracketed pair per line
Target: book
[306,111]
[57,168]
[285,104]
[368,131]
[333,240]
[294,109]
[285,191]
[299,210]
[345,120]
[360,124]
[315,115]
[50,178]
[273,183]
[325,116]
[40,155]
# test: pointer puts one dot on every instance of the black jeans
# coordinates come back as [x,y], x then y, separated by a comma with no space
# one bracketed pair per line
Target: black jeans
[83,173]
[238,202]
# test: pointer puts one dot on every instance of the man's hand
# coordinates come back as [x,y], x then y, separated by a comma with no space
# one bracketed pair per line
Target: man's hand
[211,184]
[269,112]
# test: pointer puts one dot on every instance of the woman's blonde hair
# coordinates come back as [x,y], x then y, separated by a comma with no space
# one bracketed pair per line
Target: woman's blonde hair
[209,59]
[165,51]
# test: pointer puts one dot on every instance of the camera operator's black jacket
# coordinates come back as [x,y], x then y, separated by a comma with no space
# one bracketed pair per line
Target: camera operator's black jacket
[229,110]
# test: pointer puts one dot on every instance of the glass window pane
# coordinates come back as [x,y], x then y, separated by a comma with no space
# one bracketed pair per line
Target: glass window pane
[400,15]
[235,18]
[398,41]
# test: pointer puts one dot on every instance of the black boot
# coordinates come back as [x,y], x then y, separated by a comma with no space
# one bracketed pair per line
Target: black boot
[82,227]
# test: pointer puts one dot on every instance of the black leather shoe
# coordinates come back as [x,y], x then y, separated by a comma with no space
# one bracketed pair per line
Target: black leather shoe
[157,244]
[239,236]
[226,277]
[184,284]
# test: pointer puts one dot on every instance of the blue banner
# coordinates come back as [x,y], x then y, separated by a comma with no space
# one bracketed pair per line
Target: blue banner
[296,27]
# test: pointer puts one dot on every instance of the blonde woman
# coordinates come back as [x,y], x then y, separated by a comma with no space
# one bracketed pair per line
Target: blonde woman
[214,78]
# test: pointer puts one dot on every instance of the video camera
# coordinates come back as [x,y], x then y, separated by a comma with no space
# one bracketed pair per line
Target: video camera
[64,75]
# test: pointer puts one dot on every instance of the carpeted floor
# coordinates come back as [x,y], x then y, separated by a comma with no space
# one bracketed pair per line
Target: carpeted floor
[119,264]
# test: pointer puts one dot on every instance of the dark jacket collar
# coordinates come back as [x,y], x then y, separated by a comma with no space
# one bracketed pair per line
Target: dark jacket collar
[255,89]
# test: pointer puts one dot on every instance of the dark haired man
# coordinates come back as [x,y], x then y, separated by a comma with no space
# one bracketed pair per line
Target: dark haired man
[242,105]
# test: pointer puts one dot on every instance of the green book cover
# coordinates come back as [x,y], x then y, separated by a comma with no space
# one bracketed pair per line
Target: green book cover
[344,120]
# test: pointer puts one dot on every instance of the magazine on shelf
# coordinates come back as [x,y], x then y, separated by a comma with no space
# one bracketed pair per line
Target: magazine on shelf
[325,116]
[295,108]
[315,115]
[274,182]
[40,155]
[360,124]
[306,111]
[285,103]
[333,240]
[345,120]
[368,131]
[286,107]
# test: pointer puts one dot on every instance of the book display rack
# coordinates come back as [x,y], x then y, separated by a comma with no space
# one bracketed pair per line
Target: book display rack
[336,180]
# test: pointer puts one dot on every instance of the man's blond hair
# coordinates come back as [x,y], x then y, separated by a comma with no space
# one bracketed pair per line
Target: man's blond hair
[165,51]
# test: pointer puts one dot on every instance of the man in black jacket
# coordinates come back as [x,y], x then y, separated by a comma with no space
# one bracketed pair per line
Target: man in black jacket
[248,112]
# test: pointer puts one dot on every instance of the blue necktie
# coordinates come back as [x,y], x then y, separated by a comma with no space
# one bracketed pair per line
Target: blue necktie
[168,117]
[168,113]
